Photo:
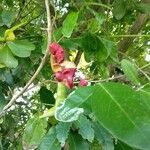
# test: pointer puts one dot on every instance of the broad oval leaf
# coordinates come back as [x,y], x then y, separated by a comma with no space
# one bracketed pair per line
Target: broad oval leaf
[50,142]
[21,48]
[121,110]
[124,113]
[85,128]
[130,71]
[34,132]
[69,24]
[62,131]
[7,59]
[119,9]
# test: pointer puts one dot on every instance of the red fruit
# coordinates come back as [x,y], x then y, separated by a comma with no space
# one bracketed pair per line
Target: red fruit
[83,82]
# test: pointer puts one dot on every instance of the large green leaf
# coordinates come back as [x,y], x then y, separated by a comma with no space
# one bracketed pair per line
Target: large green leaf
[119,9]
[130,71]
[122,146]
[85,128]
[21,48]
[69,24]
[124,113]
[62,131]
[50,141]
[34,132]
[121,110]
[77,143]
[6,58]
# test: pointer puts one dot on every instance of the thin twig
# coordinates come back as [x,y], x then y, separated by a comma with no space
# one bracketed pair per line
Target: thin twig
[129,35]
[49,31]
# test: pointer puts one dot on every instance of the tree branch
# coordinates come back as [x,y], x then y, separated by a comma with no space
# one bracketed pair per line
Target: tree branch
[135,28]
[49,32]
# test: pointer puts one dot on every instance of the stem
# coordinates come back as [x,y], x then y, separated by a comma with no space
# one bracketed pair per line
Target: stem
[130,35]
[61,93]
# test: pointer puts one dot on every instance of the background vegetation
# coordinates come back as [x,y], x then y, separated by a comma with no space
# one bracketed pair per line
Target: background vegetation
[109,41]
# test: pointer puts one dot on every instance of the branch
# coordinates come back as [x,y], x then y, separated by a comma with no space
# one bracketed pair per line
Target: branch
[49,31]
[77,58]
[136,27]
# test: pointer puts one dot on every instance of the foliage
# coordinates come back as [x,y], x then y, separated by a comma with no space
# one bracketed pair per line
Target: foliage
[107,41]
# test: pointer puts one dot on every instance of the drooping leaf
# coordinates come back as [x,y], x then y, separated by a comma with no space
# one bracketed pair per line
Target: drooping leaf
[62,131]
[50,142]
[85,128]
[21,48]
[2,101]
[124,113]
[34,132]
[8,17]
[77,143]
[103,137]
[119,9]
[6,58]
[69,24]
[130,71]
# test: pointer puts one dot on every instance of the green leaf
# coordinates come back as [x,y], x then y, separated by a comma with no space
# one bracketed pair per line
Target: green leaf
[119,9]
[21,48]
[62,131]
[94,25]
[8,17]
[69,24]
[50,141]
[124,113]
[34,132]
[143,7]
[69,111]
[94,47]
[2,101]
[130,71]
[85,128]
[6,58]
[77,143]
[46,96]
[122,146]
[103,137]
